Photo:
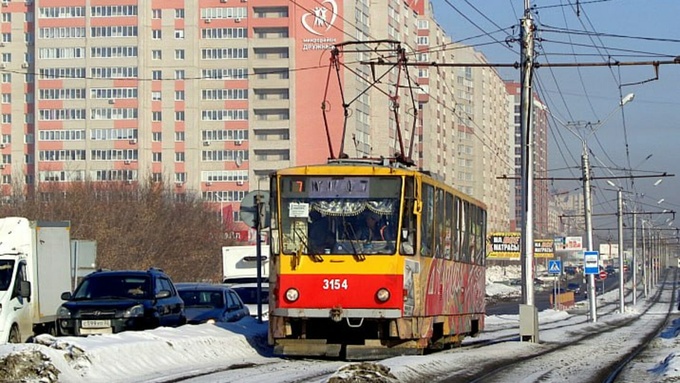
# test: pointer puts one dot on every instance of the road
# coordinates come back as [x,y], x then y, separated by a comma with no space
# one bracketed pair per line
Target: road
[542,296]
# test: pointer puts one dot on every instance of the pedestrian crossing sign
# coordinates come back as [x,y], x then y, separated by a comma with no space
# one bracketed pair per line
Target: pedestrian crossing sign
[555,267]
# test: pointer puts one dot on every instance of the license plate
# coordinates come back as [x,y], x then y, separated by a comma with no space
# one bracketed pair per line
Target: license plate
[90,331]
[99,323]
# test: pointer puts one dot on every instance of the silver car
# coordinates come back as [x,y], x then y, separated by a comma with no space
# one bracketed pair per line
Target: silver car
[211,303]
[248,293]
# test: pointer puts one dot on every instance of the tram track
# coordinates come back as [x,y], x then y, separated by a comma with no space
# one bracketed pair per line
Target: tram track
[486,369]
[533,366]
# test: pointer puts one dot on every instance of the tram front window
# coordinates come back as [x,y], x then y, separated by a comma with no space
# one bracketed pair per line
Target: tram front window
[317,226]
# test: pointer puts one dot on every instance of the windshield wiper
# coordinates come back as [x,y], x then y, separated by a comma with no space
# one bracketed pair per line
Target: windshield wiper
[351,238]
[313,255]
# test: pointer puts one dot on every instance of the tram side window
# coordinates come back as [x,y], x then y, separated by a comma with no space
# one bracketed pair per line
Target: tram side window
[465,232]
[426,217]
[480,256]
[439,219]
[408,228]
[448,227]
[474,233]
[457,212]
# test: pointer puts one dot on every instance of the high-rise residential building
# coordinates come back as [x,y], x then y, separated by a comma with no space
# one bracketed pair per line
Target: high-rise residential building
[541,197]
[212,95]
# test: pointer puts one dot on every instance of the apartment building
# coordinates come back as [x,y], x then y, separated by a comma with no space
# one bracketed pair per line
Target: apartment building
[541,196]
[212,95]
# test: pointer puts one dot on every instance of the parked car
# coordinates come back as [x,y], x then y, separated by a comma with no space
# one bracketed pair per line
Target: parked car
[211,303]
[248,293]
[575,287]
[115,301]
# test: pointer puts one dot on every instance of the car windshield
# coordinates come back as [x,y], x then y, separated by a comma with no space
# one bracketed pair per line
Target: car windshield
[249,294]
[6,268]
[114,287]
[202,298]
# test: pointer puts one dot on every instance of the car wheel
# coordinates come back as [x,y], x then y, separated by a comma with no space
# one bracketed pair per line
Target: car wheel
[14,335]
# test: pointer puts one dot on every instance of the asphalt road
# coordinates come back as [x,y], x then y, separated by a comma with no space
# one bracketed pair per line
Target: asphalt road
[542,296]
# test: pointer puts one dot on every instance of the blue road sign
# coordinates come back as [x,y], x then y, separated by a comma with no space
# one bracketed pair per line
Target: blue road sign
[555,267]
[591,262]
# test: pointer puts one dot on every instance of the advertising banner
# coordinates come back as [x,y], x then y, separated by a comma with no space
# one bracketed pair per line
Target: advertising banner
[568,244]
[503,246]
[543,248]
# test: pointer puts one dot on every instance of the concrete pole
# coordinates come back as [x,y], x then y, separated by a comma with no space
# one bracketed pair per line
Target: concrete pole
[527,158]
[645,255]
[592,302]
[634,261]
[621,279]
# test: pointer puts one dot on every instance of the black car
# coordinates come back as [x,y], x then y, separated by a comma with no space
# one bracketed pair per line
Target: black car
[209,303]
[114,301]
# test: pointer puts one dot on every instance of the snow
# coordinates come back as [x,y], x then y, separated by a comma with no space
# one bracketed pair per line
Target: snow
[226,349]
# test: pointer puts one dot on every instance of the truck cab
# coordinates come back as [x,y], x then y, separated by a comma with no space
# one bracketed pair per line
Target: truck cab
[15,293]
[35,267]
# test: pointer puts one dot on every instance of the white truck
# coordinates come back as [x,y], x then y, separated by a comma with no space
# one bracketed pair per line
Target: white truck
[35,268]
[239,264]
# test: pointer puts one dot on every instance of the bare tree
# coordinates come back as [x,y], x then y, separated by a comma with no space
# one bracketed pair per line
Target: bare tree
[135,226]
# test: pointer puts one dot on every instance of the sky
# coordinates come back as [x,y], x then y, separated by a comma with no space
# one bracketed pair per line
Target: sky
[584,102]
[168,354]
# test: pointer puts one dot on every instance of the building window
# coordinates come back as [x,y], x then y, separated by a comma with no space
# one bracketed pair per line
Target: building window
[179,95]
[179,115]
[179,136]
[156,156]
[156,54]
[157,75]
[179,156]
[179,13]
[156,136]
[156,34]
[156,116]
[179,74]
[156,13]
[179,54]
[155,96]
[179,33]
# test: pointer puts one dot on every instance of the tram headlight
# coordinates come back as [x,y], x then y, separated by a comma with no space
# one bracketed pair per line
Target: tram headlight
[292,295]
[383,295]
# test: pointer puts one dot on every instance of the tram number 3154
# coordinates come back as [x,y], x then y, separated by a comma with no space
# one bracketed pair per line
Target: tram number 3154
[335,284]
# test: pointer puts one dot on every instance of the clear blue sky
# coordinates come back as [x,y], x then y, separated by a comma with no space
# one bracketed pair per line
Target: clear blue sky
[626,31]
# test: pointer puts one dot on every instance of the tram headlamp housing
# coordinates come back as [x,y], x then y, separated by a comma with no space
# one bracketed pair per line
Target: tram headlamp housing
[383,295]
[292,295]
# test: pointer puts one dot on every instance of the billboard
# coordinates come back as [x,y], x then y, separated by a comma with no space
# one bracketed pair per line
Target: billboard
[503,245]
[609,251]
[543,248]
[568,243]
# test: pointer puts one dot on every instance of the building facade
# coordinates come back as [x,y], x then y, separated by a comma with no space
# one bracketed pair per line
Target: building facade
[541,196]
[212,95]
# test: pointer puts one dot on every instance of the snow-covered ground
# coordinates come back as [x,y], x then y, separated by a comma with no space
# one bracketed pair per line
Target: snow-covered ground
[167,353]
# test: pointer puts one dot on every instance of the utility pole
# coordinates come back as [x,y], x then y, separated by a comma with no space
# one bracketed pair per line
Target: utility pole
[592,302]
[528,312]
[619,198]
[645,255]
[634,262]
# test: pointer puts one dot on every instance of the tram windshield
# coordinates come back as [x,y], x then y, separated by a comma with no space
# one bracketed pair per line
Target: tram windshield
[340,215]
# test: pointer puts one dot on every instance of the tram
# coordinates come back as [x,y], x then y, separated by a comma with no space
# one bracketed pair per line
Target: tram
[371,259]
